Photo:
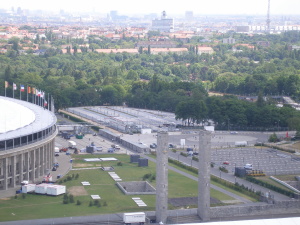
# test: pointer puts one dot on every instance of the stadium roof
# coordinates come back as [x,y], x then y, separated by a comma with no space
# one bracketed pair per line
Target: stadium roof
[19,118]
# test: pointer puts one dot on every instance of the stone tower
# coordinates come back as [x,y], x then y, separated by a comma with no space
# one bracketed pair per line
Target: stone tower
[162,177]
[204,175]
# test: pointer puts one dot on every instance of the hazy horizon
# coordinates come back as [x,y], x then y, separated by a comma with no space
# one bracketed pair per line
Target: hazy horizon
[134,7]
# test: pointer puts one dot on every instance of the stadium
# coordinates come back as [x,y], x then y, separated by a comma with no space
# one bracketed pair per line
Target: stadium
[27,135]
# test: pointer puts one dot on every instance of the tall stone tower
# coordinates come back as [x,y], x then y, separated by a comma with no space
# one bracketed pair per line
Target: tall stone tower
[162,177]
[204,175]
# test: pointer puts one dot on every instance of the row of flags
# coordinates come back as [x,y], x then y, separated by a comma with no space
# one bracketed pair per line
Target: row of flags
[30,90]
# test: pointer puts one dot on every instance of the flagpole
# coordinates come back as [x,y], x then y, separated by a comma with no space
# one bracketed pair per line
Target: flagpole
[27,94]
[48,102]
[20,92]
[5,88]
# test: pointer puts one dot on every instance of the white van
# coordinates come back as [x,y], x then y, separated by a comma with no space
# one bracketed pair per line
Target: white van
[248,166]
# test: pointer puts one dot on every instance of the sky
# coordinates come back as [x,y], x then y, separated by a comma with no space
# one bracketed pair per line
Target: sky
[124,7]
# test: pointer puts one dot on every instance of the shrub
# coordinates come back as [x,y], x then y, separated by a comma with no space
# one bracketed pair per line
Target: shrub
[23,195]
[78,202]
[104,203]
[91,203]
[77,176]
[119,164]
[223,169]
[71,198]
[270,186]
[183,154]
[96,202]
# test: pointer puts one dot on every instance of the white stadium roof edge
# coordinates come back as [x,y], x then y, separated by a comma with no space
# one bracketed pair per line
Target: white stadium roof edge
[20,118]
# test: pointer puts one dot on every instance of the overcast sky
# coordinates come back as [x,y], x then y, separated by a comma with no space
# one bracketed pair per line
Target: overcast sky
[249,7]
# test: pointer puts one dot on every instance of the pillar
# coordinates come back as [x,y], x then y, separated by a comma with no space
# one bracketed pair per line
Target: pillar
[33,159]
[21,167]
[26,165]
[162,177]
[204,175]
[5,173]
[13,171]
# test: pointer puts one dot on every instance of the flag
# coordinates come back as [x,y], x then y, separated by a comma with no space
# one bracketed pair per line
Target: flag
[33,90]
[22,88]
[287,134]
[28,90]
[42,94]
[14,86]
[5,84]
[45,103]
[38,93]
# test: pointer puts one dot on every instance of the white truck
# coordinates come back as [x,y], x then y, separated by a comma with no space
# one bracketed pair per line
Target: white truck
[72,144]
[134,218]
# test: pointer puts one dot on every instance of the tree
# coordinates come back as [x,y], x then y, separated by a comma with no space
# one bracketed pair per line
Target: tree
[273,138]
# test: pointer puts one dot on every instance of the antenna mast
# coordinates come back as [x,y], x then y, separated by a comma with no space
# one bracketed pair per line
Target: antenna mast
[268,18]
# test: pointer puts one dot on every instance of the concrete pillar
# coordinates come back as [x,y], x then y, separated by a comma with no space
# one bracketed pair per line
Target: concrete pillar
[21,167]
[42,162]
[26,165]
[162,177]
[13,171]
[33,159]
[204,175]
[5,173]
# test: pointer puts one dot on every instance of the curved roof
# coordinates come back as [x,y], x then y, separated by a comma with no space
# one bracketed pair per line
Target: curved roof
[19,118]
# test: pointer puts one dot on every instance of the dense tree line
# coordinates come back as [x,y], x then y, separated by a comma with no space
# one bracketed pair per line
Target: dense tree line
[170,82]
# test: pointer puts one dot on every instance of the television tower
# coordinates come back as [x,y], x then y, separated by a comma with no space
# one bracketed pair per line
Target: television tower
[268,18]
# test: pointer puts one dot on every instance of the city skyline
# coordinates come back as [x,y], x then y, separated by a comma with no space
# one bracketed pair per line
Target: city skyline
[234,7]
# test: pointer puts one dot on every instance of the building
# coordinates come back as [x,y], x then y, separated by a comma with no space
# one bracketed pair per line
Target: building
[26,142]
[228,40]
[205,50]
[242,29]
[164,24]
[156,44]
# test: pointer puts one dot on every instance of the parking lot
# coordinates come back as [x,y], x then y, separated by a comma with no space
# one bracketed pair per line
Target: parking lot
[87,140]
[270,161]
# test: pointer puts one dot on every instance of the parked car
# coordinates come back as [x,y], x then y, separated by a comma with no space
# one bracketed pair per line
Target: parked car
[226,163]
[248,166]
[54,168]
[111,150]
[153,145]
[56,154]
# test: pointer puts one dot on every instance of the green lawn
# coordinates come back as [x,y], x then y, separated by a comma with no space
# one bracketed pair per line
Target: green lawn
[101,184]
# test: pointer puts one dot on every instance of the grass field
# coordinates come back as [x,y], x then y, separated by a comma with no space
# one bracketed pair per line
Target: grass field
[41,206]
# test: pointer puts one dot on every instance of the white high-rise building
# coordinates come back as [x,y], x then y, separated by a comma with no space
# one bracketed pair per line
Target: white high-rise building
[164,24]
